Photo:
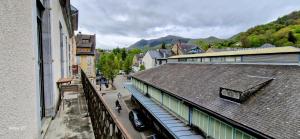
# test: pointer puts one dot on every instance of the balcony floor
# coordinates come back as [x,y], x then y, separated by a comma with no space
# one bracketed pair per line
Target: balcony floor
[71,122]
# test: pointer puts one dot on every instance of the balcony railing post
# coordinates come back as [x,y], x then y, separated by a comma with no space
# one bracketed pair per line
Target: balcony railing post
[103,123]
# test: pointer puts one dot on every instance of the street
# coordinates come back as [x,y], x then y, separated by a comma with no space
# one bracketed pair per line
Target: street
[110,96]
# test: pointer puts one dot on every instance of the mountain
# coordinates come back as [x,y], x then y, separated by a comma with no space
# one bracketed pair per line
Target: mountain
[210,39]
[285,31]
[168,40]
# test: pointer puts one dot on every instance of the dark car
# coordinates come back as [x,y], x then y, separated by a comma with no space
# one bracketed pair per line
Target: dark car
[136,119]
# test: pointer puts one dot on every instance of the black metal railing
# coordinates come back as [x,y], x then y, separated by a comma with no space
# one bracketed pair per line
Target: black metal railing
[104,124]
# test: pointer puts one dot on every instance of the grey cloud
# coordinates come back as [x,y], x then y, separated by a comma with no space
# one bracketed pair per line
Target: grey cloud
[142,18]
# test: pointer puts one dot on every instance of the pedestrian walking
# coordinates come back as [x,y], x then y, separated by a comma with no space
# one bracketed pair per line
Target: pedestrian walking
[118,106]
[119,95]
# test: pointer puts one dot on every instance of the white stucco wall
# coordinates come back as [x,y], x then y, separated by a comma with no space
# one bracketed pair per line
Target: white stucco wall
[19,98]
[73,54]
[148,61]
[56,18]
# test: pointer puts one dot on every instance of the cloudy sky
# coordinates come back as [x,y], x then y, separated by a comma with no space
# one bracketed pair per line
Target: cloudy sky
[120,23]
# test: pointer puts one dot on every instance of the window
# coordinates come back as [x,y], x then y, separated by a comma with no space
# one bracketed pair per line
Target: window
[238,59]
[176,106]
[216,128]
[155,94]
[217,59]
[85,40]
[206,59]
[199,60]
[229,93]
[230,59]
[78,60]
[238,134]
[90,59]
[191,59]
[182,60]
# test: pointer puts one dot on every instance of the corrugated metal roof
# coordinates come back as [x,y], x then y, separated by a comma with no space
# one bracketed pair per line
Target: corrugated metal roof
[273,50]
[176,127]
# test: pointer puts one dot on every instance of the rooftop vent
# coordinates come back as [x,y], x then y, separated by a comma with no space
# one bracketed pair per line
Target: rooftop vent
[241,89]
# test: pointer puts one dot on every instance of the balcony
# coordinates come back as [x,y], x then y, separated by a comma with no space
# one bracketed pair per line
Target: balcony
[84,113]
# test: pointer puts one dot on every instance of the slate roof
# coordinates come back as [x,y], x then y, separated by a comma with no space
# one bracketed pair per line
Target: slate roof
[158,54]
[166,51]
[186,48]
[273,111]
[80,37]
[154,54]
[245,82]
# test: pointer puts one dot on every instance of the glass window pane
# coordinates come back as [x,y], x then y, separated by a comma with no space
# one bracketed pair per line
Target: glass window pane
[229,132]
[217,129]
[246,136]
[205,122]
[238,134]
[212,128]
[222,131]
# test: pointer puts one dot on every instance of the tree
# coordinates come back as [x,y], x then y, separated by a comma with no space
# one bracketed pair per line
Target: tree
[101,62]
[292,38]
[123,54]
[163,45]
[116,50]
[110,67]
[245,41]
[134,51]
[142,67]
[127,67]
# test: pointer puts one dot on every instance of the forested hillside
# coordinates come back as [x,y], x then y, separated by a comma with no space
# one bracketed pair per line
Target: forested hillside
[285,31]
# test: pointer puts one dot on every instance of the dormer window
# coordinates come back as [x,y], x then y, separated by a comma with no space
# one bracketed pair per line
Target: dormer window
[243,88]
[85,41]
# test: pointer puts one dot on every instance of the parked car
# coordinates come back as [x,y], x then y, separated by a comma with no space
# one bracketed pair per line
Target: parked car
[136,119]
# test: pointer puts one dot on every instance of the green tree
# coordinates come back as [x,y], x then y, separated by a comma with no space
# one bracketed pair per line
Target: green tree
[110,67]
[134,51]
[116,50]
[101,62]
[163,45]
[245,41]
[292,38]
[127,67]
[123,54]
[142,67]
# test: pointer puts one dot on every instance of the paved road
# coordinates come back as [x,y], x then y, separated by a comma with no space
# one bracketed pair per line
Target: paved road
[110,96]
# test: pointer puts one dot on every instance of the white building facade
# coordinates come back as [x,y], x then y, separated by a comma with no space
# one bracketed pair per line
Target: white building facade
[35,54]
